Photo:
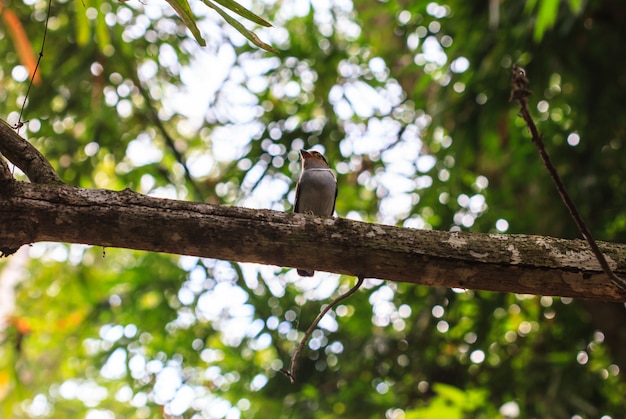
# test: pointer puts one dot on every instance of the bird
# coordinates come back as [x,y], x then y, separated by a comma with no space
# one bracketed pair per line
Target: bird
[316,191]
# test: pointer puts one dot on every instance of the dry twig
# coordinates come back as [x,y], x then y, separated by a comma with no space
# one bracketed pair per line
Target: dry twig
[21,123]
[296,355]
[520,93]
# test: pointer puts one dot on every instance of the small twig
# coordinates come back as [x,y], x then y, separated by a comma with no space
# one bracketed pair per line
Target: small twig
[296,355]
[21,123]
[520,94]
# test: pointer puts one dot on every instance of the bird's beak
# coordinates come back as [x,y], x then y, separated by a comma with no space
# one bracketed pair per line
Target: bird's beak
[305,154]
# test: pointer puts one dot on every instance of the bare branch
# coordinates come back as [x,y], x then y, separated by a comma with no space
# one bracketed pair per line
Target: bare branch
[296,355]
[34,76]
[22,154]
[520,93]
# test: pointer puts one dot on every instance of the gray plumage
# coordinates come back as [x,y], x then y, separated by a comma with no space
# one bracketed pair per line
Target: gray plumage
[317,189]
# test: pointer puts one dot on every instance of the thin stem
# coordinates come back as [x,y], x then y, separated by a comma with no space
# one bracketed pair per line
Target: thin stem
[296,355]
[520,93]
[20,123]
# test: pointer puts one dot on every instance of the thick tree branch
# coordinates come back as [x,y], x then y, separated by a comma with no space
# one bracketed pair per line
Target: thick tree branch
[22,154]
[507,263]
[5,172]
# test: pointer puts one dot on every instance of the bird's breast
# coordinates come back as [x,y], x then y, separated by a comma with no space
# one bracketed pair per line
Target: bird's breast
[317,192]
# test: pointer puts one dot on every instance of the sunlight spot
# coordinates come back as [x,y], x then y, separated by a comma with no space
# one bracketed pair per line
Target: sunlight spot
[115,366]
[244,404]
[112,333]
[167,382]
[434,26]
[433,53]
[382,388]
[19,73]
[573,139]
[477,357]
[413,41]
[200,164]
[510,336]
[91,13]
[510,409]
[39,406]
[443,326]
[404,311]
[142,151]
[124,394]
[437,10]
[403,360]
[502,225]
[460,65]
[183,400]
[258,382]
[470,337]
[425,163]
[124,108]
[524,328]
[468,220]
[482,182]
[458,87]
[92,148]
[463,200]
[404,17]
[477,203]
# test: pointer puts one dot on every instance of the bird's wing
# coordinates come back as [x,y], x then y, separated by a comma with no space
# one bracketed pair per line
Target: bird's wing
[297,203]
[334,200]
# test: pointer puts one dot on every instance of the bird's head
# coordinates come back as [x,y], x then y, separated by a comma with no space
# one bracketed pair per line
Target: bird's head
[313,159]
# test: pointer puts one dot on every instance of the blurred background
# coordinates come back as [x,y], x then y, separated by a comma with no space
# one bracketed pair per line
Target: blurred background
[409,101]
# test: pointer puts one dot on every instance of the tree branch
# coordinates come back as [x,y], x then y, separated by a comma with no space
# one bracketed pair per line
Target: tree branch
[291,374]
[22,154]
[5,172]
[506,263]
[520,93]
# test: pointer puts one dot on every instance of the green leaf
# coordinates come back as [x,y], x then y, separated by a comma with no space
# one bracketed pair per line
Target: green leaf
[530,6]
[546,16]
[243,12]
[184,11]
[576,5]
[102,32]
[453,394]
[251,36]
[83,28]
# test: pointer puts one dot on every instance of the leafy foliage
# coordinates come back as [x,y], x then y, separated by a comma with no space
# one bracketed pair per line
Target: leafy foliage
[410,102]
